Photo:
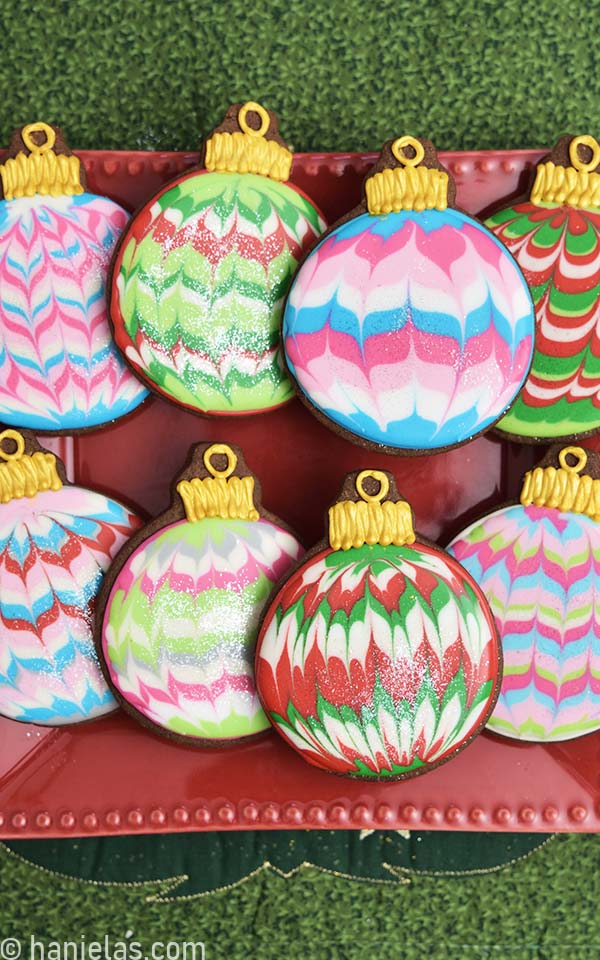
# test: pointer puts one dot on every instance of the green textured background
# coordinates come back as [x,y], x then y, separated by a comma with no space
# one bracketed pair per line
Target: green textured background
[542,908]
[343,75]
[346,74]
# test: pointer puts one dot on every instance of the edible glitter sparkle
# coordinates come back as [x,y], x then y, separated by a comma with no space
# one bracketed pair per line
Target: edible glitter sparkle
[199,286]
[181,621]
[409,330]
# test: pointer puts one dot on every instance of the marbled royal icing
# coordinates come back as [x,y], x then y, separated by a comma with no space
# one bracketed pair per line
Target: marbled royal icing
[540,570]
[59,367]
[199,286]
[558,250]
[54,550]
[410,330]
[181,621]
[377,661]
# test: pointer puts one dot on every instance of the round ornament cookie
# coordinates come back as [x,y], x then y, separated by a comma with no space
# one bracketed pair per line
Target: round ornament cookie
[538,563]
[409,327]
[56,541]
[59,367]
[378,657]
[179,610]
[554,234]
[201,274]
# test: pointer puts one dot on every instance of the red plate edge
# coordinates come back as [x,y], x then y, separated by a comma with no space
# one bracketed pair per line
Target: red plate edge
[111,776]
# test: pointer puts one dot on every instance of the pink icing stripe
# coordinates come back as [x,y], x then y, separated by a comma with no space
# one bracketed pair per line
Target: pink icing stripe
[176,690]
[56,250]
[227,682]
[236,581]
[561,636]
[441,260]
[329,359]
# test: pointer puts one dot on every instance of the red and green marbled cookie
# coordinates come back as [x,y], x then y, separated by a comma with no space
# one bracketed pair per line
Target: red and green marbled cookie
[199,284]
[378,661]
[558,250]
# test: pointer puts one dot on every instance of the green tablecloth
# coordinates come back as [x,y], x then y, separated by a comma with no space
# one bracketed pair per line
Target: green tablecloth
[543,907]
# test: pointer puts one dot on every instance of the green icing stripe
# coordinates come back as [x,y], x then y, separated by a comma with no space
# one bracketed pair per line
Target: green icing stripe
[535,731]
[233,726]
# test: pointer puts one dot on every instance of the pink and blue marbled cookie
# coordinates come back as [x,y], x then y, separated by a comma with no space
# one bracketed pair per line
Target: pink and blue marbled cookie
[410,330]
[54,550]
[59,367]
[540,571]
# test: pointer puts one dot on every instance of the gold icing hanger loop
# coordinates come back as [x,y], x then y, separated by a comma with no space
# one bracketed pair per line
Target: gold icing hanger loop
[410,186]
[247,150]
[372,519]
[220,495]
[39,149]
[580,458]
[15,436]
[22,475]
[399,146]
[382,480]
[563,488]
[584,141]
[220,449]
[265,122]
[41,170]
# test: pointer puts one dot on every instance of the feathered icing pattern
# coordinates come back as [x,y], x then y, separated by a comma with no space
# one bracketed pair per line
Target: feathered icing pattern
[377,660]
[558,249]
[201,286]
[181,621]
[54,550]
[539,569]
[59,367]
[411,330]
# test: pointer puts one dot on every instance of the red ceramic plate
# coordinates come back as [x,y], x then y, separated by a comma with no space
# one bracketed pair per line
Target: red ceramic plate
[111,776]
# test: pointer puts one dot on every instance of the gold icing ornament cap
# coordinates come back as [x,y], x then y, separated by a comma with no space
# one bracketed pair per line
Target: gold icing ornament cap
[563,488]
[220,494]
[574,184]
[237,146]
[371,519]
[22,474]
[42,170]
[408,183]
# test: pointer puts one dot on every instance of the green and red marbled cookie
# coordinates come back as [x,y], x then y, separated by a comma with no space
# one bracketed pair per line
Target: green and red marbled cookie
[378,661]
[199,283]
[555,238]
